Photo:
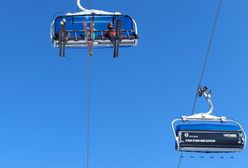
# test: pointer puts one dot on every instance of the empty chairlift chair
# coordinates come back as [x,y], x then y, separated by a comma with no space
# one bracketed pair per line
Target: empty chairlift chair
[206,133]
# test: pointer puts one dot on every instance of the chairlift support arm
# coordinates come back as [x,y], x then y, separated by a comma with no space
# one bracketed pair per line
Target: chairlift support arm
[80,6]
[203,91]
[207,94]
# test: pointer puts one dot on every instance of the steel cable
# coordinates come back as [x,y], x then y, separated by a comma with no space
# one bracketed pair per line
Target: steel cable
[207,52]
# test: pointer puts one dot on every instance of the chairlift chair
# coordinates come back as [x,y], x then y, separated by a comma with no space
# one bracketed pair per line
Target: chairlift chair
[207,133]
[71,26]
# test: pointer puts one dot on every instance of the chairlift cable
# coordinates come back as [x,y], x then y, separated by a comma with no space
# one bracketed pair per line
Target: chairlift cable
[180,160]
[88,118]
[88,105]
[207,52]
[88,115]
[204,65]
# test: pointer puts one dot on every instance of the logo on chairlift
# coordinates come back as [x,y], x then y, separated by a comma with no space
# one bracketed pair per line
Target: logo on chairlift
[230,135]
[186,135]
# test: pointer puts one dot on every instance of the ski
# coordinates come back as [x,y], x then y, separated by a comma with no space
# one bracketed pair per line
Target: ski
[118,38]
[92,26]
[62,39]
[88,36]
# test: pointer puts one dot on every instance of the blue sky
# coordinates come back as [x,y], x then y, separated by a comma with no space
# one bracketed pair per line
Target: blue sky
[133,98]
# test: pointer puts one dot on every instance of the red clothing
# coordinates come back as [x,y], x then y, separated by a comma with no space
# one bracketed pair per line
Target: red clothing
[111,33]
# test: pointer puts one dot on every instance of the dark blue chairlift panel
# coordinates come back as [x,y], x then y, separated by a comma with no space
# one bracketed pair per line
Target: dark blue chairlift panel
[209,138]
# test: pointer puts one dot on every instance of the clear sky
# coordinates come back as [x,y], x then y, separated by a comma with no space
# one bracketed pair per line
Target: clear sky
[133,98]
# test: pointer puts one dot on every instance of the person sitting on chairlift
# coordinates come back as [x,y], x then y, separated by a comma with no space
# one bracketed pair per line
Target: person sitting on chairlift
[110,32]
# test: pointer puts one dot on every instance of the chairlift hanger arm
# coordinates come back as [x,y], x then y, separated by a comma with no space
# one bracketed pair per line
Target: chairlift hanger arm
[207,94]
[207,116]
[80,6]
[90,11]
[208,98]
